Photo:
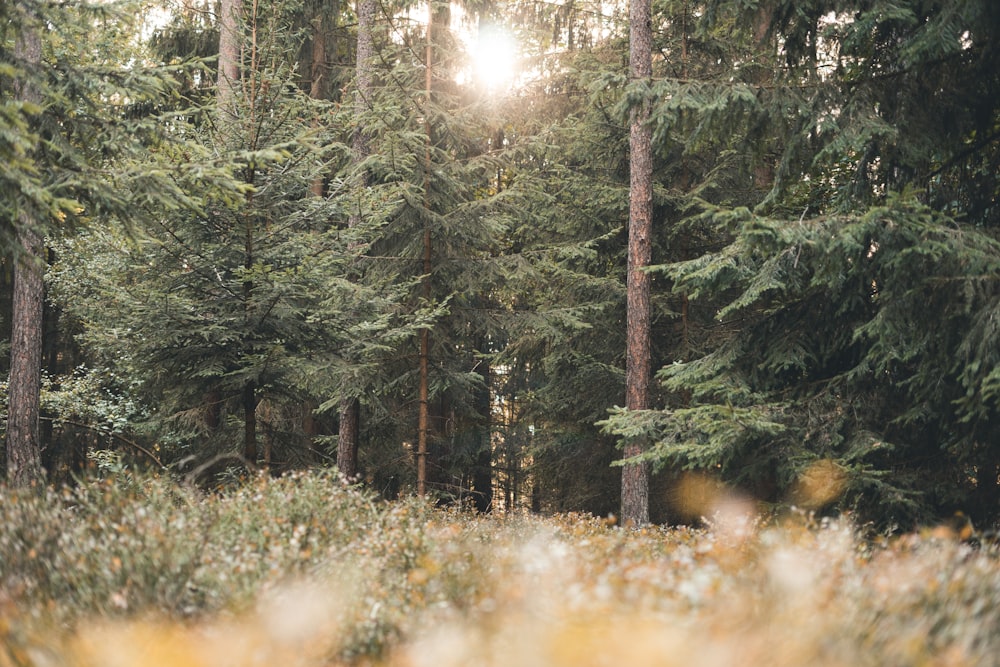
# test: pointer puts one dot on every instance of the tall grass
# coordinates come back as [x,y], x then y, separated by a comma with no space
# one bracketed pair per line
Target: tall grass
[305,571]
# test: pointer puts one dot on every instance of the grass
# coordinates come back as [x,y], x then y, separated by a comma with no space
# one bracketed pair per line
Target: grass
[305,571]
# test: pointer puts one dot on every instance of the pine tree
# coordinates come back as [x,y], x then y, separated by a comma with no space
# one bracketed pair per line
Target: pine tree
[243,295]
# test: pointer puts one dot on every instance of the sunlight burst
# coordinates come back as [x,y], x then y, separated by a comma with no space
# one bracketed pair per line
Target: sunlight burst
[494,58]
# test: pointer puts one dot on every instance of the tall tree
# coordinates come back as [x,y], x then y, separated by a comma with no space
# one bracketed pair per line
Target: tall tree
[364,89]
[77,151]
[819,272]
[24,466]
[423,359]
[635,475]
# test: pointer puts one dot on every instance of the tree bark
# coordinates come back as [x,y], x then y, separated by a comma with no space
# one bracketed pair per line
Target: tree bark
[323,49]
[482,476]
[250,422]
[24,455]
[423,418]
[230,12]
[423,425]
[350,408]
[635,476]
[250,386]
[324,43]
[347,442]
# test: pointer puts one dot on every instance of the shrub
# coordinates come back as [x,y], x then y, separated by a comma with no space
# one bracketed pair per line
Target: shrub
[304,570]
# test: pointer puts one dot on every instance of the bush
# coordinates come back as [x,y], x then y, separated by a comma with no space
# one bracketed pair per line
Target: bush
[304,570]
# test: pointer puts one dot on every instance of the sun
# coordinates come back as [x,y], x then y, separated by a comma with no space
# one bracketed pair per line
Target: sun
[494,56]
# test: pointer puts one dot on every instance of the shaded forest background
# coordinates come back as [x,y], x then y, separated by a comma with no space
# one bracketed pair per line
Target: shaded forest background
[311,257]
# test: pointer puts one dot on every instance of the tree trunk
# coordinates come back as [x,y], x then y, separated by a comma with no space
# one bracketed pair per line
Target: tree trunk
[765,166]
[635,476]
[24,456]
[250,422]
[423,416]
[213,409]
[482,475]
[424,392]
[230,12]
[324,43]
[347,442]
[321,73]
[350,408]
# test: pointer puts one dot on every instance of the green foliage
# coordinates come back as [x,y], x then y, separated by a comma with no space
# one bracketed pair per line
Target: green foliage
[825,218]
[63,156]
[901,295]
[842,289]
[246,287]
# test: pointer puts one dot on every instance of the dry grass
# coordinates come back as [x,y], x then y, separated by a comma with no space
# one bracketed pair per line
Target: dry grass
[301,571]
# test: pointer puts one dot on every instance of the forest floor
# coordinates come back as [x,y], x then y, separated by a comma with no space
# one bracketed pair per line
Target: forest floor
[303,571]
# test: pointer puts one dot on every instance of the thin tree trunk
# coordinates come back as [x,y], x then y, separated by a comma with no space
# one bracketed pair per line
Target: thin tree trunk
[350,408]
[24,456]
[764,168]
[424,392]
[230,12]
[635,476]
[482,477]
[250,386]
[423,417]
[347,444]
[250,422]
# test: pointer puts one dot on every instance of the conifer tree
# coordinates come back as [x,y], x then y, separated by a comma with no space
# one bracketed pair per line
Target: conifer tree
[67,146]
[823,356]
[24,465]
[635,476]
[243,295]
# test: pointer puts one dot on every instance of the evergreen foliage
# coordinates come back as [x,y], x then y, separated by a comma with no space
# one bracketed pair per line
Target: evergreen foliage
[248,286]
[825,219]
[855,296]
[62,158]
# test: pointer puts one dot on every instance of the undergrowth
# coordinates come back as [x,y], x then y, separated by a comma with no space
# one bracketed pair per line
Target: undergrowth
[304,570]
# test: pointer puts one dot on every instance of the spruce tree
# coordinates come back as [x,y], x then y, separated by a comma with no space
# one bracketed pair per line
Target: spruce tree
[847,289]
[74,116]
[635,476]
[236,310]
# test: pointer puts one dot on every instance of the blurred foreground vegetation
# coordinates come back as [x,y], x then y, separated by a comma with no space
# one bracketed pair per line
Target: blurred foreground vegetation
[303,570]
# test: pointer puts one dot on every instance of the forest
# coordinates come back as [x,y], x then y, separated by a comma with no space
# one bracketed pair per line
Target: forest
[739,244]
[524,332]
